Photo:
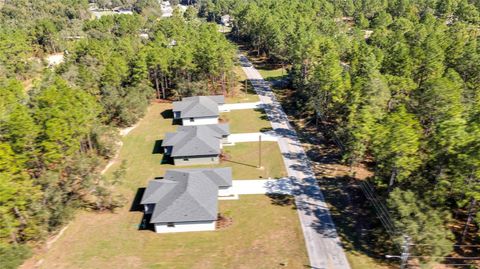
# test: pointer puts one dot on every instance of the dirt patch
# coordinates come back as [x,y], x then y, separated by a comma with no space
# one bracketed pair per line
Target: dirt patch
[223,222]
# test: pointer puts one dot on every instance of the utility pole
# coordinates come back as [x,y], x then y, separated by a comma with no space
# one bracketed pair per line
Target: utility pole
[246,87]
[260,151]
[405,252]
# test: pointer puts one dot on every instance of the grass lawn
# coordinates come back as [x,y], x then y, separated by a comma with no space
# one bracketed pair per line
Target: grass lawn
[238,94]
[246,120]
[244,160]
[362,261]
[264,234]
[268,74]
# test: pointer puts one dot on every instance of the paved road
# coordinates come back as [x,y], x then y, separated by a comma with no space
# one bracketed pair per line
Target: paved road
[321,238]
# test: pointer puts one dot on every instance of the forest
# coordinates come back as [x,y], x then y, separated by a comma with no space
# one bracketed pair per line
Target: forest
[398,82]
[59,126]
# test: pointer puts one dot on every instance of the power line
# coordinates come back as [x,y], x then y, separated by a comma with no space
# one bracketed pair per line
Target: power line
[474,246]
[380,208]
[435,257]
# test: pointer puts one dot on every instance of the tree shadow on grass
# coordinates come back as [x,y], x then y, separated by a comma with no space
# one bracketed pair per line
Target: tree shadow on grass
[282,199]
[157,147]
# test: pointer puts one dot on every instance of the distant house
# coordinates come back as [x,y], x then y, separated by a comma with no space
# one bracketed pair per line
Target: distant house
[198,110]
[194,145]
[225,20]
[186,200]
[167,9]
[123,11]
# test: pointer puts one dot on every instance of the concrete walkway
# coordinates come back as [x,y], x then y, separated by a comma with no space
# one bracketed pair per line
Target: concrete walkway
[252,137]
[321,238]
[263,186]
[239,106]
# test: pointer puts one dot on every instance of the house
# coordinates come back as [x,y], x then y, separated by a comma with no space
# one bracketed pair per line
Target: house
[167,10]
[198,110]
[122,11]
[199,144]
[186,200]
[225,20]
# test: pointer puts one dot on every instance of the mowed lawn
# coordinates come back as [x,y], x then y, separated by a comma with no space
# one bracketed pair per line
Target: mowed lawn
[272,73]
[263,235]
[246,120]
[244,159]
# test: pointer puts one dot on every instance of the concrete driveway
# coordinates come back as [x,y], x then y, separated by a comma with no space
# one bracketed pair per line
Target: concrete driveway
[251,137]
[239,106]
[263,186]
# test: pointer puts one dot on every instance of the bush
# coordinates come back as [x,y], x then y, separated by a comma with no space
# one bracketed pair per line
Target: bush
[13,256]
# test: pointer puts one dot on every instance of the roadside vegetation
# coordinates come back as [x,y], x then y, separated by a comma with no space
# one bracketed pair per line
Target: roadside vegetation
[56,135]
[395,85]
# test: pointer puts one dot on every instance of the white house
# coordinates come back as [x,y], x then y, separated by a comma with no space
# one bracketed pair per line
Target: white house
[186,200]
[198,110]
[194,145]
[225,20]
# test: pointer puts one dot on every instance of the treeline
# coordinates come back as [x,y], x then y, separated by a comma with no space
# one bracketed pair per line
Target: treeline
[398,81]
[56,135]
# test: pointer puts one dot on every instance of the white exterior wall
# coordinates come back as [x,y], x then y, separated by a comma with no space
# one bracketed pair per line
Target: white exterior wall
[200,160]
[225,191]
[200,121]
[194,226]
[148,208]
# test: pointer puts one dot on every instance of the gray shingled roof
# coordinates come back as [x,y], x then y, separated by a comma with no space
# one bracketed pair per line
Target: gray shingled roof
[198,140]
[199,106]
[222,177]
[186,195]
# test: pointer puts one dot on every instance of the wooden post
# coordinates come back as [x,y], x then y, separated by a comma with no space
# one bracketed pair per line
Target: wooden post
[260,151]
[246,87]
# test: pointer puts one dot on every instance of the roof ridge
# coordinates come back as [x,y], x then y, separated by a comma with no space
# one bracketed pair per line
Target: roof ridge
[195,199]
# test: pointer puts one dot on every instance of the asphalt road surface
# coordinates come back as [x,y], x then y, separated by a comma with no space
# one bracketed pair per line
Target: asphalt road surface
[321,238]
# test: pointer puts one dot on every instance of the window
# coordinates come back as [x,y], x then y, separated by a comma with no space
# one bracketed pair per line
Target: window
[213,159]
[185,159]
[192,119]
[170,224]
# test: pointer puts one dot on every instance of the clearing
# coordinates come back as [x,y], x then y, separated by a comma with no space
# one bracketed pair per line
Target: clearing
[246,120]
[265,232]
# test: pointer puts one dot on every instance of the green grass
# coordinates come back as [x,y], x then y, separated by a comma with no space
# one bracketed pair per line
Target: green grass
[238,93]
[244,160]
[263,235]
[246,120]
[362,261]
[268,74]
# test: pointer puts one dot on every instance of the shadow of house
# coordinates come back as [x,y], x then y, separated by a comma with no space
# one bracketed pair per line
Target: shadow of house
[136,206]
[145,224]
[167,114]
[157,147]
[167,159]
